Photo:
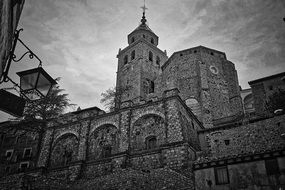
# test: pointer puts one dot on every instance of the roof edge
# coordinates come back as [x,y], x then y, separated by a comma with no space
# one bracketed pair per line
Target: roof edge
[200,46]
[266,78]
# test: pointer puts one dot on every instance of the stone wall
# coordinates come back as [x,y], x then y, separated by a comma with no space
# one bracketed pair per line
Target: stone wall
[98,169]
[65,150]
[145,127]
[190,133]
[263,88]
[129,74]
[162,178]
[11,182]
[144,170]
[259,96]
[246,175]
[206,76]
[147,161]
[174,156]
[126,133]
[258,137]
[72,125]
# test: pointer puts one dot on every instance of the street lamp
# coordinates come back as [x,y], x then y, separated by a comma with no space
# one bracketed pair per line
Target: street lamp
[35,83]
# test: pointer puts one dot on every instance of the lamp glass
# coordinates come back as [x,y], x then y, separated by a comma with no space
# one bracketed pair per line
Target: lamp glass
[43,85]
[35,81]
[28,81]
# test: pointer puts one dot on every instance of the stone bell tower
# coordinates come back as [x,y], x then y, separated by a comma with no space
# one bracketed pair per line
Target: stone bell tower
[139,64]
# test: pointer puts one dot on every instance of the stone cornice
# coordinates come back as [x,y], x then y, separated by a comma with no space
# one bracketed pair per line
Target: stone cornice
[236,159]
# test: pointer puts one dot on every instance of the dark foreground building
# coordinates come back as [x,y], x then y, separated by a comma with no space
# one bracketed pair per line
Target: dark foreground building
[180,125]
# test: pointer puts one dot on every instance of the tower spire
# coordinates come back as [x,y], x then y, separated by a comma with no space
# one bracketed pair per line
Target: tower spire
[143,20]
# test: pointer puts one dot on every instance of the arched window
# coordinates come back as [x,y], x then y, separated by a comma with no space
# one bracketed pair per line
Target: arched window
[126,59]
[151,87]
[157,60]
[151,142]
[133,54]
[106,151]
[132,40]
[152,41]
[148,86]
[194,105]
[150,56]
[103,142]
[65,150]
[67,156]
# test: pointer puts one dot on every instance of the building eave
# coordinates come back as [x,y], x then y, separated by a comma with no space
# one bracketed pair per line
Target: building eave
[266,78]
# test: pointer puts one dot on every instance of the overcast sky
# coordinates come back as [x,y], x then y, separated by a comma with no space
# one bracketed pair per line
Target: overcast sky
[78,40]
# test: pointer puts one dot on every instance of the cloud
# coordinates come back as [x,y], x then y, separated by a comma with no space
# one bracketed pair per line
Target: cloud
[70,41]
[251,33]
[78,40]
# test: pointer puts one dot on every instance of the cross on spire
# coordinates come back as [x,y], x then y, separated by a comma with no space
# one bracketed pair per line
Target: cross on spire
[143,20]
[144,7]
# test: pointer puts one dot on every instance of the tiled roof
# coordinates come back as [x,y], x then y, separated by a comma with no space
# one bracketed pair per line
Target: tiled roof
[143,27]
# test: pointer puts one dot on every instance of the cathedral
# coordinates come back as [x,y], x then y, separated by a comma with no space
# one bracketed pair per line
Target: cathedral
[178,123]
